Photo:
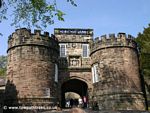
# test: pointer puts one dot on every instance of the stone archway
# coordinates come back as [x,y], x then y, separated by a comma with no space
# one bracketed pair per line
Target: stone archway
[74,85]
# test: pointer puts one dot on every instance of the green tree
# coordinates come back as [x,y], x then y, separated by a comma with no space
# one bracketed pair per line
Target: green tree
[3,63]
[37,13]
[143,40]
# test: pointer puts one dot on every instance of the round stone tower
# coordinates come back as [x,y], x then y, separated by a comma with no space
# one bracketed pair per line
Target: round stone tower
[115,71]
[31,70]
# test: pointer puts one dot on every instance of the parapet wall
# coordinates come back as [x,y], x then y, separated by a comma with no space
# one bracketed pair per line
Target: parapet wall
[67,31]
[24,37]
[66,35]
[112,41]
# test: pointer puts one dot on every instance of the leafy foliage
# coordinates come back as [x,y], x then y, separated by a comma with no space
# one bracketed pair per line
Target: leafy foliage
[3,63]
[37,13]
[143,40]
[72,2]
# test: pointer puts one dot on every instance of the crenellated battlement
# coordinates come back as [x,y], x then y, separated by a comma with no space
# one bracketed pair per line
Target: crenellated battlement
[34,56]
[42,72]
[24,36]
[121,40]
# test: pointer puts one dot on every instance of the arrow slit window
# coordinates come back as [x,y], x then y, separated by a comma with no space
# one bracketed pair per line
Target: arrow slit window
[56,73]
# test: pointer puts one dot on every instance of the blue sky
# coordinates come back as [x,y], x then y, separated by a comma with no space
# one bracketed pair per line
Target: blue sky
[104,16]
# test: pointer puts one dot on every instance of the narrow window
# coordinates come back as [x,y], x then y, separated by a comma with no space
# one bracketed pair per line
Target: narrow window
[95,74]
[85,49]
[62,50]
[93,78]
[56,73]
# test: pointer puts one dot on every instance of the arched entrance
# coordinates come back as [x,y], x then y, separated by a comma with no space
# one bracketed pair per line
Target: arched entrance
[73,85]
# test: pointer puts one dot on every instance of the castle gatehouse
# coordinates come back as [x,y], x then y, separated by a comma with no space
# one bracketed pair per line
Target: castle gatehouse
[105,70]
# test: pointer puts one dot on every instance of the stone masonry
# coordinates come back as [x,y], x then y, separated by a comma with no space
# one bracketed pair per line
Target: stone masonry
[113,84]
[31,63]
[74,65]
[119,85]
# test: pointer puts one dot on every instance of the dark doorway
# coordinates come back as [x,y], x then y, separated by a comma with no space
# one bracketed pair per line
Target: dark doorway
[73,85]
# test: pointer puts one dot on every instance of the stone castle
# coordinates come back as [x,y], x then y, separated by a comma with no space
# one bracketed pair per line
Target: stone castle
[42,68]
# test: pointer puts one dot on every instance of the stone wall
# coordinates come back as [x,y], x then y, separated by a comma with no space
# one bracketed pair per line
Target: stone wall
[119,85]
[31,66]
[74,40]
[74,65]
